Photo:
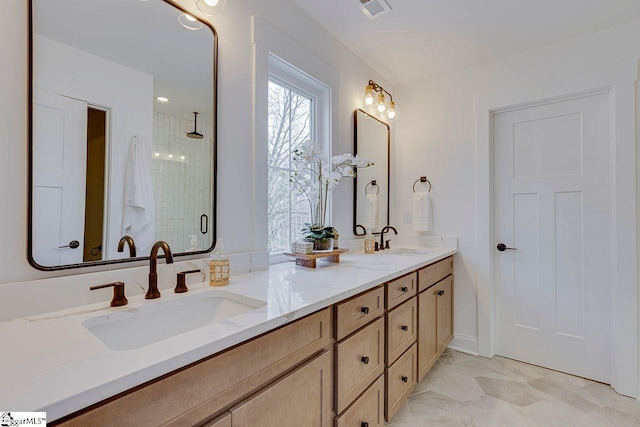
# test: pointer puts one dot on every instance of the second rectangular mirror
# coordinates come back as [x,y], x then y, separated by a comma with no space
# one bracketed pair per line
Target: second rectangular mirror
[371,197]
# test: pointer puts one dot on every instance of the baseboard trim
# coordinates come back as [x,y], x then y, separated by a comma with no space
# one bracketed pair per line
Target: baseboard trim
[464,344]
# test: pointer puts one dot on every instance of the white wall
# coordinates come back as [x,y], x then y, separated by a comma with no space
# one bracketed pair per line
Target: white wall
[127,93]
[436,135]
[236,207]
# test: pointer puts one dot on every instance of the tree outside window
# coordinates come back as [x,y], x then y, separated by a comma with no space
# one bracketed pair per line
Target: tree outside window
[290,124]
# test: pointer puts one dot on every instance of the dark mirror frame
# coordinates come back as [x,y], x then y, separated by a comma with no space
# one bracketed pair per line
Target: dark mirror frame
[214,165]
[357,226]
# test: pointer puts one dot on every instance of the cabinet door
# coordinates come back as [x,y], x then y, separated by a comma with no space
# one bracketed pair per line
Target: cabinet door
[301,398]
[427,331]
[445,313]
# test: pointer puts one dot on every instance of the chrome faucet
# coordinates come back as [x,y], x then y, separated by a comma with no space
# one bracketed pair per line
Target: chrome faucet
[153,292]
[384,245]
[132,245]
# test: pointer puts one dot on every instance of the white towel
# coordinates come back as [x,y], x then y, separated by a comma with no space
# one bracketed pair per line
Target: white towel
[422,212]
[139,216]
[371,212]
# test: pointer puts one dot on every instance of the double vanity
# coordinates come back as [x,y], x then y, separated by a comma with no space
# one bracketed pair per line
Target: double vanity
[343,345]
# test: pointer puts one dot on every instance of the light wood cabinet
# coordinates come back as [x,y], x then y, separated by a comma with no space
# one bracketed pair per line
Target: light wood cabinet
[401,380]
[301,398]
[356,312]
[359,361]
[400,290]
[435,314]
[401,329]
[368,410]
[445,313]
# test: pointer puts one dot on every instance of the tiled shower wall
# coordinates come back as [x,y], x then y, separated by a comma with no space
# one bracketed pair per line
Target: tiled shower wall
[181,170]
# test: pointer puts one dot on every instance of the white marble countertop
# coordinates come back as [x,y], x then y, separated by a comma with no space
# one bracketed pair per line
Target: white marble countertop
[52,363]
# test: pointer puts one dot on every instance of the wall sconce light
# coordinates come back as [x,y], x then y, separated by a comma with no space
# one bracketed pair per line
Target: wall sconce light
[211,7]
[379,101]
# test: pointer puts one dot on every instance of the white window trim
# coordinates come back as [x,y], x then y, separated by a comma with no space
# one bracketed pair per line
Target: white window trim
[268,42]
[292,78]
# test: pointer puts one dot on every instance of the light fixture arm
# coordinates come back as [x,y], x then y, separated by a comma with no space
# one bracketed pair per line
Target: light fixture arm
[377,88]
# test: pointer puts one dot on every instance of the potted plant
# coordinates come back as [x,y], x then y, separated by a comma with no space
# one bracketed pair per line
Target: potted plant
[316,175]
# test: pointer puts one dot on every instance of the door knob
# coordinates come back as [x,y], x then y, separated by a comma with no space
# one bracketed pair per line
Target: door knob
[502,247]
[74,244]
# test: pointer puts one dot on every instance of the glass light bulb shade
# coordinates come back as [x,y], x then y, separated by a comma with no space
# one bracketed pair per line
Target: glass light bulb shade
[368,95]
[189,22]
[381,105]
[211,7]
[391,114]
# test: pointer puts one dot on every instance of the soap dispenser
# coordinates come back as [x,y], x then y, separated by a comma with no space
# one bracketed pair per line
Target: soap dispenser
[369,242]
[219,265]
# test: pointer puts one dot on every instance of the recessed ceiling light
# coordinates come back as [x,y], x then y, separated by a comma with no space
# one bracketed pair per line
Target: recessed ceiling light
[170,156]
[162,99]
[189,22]
[211,7]
[156,154]
[182,157]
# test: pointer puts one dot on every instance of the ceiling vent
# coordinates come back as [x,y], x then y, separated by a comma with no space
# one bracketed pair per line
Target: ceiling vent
[375,8]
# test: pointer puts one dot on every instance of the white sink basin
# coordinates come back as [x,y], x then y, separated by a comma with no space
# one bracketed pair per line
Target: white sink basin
[407,251]
[135,328]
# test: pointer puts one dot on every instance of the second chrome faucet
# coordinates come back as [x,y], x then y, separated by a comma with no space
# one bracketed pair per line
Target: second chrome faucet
[153,292]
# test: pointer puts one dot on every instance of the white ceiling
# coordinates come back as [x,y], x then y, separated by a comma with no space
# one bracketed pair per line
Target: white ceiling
[143,35]
[425,38]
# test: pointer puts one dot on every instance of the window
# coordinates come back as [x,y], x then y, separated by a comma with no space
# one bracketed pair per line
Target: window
[291,122]
[299,110]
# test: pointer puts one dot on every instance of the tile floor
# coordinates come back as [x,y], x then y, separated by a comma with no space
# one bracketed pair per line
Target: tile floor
[464,390]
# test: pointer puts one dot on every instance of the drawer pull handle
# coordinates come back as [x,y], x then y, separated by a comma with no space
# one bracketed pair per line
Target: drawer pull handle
[405,289]
[405,379]
[364,424]
[365,360]
[365,310]
[405,328]
[440,293]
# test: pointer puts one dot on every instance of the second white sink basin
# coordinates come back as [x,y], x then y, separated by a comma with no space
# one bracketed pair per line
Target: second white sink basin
[135,328]
[407,251]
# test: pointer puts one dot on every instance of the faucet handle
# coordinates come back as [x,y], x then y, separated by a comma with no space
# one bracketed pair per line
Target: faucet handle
[386,244]
[118,293]
[181,285]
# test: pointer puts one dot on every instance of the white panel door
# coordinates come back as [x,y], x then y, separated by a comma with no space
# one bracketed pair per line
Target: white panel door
[59,174]
[553,205]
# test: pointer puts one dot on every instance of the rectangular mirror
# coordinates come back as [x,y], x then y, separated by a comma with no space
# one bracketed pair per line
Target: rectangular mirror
[372,139]
[115,90]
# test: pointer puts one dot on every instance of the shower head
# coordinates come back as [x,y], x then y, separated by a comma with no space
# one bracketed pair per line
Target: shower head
[195,134]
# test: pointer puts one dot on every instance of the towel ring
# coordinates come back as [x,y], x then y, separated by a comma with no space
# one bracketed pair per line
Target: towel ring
[373,183]
[422,179]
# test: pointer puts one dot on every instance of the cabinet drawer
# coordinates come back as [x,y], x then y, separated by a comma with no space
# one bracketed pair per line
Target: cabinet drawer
[193,394]
[401,290]
[401,380]
[367,410]
[401,329]
[359,361]
[301,398]
[433,273]
[353,314]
